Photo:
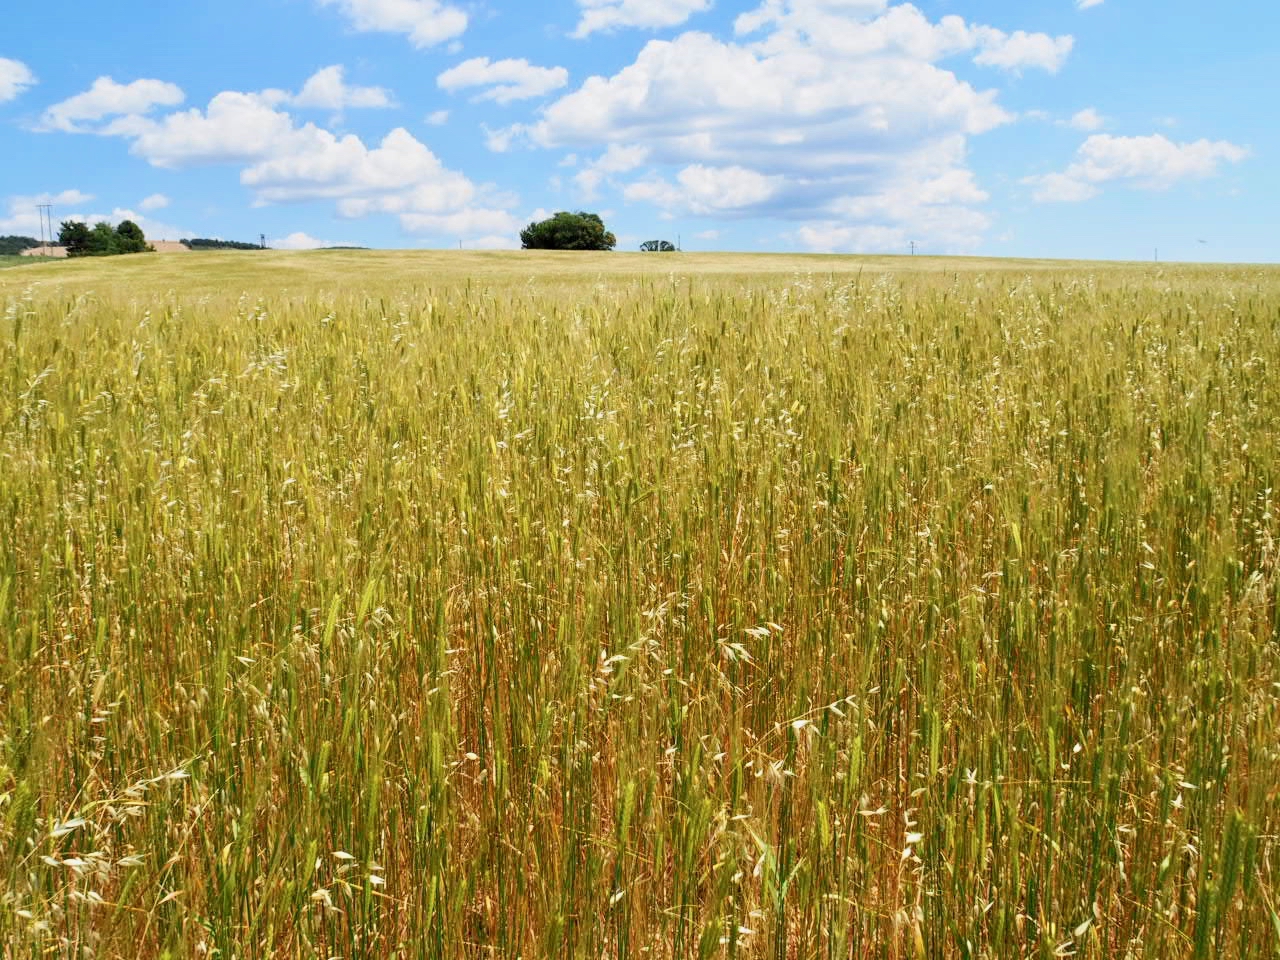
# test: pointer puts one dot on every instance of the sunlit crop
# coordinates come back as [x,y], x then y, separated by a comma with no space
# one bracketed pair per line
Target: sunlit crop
[374,606]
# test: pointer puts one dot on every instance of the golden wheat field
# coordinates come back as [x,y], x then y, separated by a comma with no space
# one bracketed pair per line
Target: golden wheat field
[514,605]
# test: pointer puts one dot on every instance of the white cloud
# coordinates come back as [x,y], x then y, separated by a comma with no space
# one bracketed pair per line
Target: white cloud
[286,162]
[500,141]
[401,176]
[507,80]
[618,158]
[106,98]
[1086,4]
[235,127]
[833,113]
[64,199]
[832,237]
[15,77]
[154,229]
[23,215]
[425,22]
[299,240]
[1148,163]
[1087,120]
[439,118]
[469,225]
[701,189]
[916,206]
[320,165]
[699,98]
[326,89]
[708,235]
[649,14]
[1060,188]
[868,27]
[1020,49]
[497,241]
[157,201]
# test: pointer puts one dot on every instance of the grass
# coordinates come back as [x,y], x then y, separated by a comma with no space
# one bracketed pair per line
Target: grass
[15,260]
[488,605]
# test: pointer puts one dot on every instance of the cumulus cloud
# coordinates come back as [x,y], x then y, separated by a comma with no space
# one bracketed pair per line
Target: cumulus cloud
[839,114]
[1086,4]
[1020,49]
[618,158]
[649,14]
[157,201]
[106,98]
[496,241]
[915,205]
[154,229]
[425,22]
[327,89]
[15,77]
[299,240]
[473,225]
[400,176]
[284,161]
[701,189]
[506,80]
[321,165]
[1087,120]
[700,98]
[869,27]
[234,127]
[22,215]
[1147,163]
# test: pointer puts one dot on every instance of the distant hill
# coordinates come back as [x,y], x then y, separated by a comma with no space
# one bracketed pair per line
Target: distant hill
[201,243]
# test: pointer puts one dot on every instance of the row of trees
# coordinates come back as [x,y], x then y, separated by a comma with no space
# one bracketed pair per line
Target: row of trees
[203,243]
[102,239]
[11,246]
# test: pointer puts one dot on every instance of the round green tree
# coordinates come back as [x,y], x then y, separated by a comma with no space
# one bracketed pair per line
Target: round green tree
[130,238]
[568,231]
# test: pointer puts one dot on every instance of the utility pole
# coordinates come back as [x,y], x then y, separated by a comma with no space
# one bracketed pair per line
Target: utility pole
[46,212]
[262,240]
[913,248]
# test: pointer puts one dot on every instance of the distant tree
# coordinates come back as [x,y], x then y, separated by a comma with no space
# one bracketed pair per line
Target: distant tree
[130,238]
[13,245]
[568,231]
[103,241]
[658,246]
[74,235]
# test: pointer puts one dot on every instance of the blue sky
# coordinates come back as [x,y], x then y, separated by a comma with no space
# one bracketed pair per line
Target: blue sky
[1064,128]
